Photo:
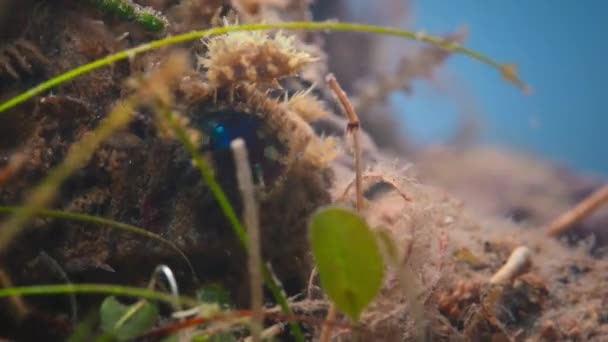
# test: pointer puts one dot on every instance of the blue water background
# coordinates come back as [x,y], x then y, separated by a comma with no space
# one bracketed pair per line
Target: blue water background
[561,49]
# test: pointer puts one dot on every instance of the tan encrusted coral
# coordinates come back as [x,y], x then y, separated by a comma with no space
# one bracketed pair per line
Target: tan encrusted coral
[306,106]
[321,151]
[255,57]
[290,129]
[292,132]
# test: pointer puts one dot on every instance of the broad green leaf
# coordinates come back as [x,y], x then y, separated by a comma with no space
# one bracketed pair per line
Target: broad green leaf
[348,259]
[126,322]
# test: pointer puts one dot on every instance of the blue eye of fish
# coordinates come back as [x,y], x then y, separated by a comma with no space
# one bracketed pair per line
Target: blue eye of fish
[220,128]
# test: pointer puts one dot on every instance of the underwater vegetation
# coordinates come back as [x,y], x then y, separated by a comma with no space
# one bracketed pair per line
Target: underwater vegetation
[192,170]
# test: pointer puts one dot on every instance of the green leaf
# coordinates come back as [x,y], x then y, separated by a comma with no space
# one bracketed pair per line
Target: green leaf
[126,322]
[348,259]
[172,338]
[219,337]
[214,293]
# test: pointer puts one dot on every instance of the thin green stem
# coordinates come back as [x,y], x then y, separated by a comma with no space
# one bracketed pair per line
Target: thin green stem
[309,26]
[209,178]
[269,280]
[118,290]
[103,222]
